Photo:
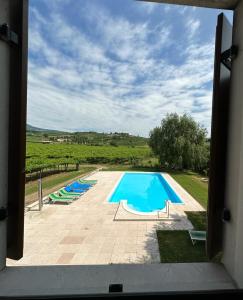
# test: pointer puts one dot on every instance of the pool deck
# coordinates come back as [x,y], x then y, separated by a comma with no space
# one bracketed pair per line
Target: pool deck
[86,232]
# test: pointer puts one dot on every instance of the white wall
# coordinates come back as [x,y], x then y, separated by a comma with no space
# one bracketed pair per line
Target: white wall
[233,242]
[4,97]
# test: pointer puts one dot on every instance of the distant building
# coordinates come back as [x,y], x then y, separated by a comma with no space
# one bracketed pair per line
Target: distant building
[62,140]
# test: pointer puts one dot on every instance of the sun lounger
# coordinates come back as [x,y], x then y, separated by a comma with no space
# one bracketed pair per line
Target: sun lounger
[197,236]
[63,192]
[92,182]
[78,185]
[69,189]
[61,199]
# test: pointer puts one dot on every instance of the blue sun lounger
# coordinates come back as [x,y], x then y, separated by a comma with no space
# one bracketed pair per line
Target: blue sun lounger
[71,190]
[78,185]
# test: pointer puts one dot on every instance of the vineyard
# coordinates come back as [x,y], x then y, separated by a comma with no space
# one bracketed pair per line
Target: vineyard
[41,156]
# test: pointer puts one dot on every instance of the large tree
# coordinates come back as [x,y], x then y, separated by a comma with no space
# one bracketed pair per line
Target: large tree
[180,143]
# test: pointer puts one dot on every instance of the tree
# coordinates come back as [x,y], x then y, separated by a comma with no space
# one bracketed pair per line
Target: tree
[180,143]
[113,143]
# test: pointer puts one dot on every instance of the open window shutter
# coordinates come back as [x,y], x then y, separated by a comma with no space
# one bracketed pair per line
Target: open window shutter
[219,138]
[17,127]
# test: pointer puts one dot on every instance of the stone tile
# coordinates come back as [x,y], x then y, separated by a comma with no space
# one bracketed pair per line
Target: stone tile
[78,258]
[133,258]
[130,248]
[65,258]
[103,258]
[90,259]
[72,240]
[116,259]
[106,250]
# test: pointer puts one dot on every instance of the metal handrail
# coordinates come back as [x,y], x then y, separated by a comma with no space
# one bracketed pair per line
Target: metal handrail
[168,207]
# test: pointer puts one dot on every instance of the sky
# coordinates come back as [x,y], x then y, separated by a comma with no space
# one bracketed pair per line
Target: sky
[118,65]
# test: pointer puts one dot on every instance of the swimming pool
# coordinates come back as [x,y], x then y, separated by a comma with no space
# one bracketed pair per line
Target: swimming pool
[144,192]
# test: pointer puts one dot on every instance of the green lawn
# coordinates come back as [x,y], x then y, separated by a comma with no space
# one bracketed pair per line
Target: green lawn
[193,184]
[198,219]
[130,168]
[53,180]
[176,246]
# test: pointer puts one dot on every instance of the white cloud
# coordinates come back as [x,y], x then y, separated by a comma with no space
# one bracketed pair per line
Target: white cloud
[192,27]
[117,82]
[146,7]
[183,10]
[167,8]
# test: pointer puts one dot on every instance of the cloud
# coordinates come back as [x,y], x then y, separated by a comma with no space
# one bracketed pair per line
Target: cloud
[113,77]
[167,8]
[183,10]
[146,7]
[192,27]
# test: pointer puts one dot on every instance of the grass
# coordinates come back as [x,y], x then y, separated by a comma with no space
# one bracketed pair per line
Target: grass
[198,219]
[130,168]
[192,183]
[176,246]
[53,180]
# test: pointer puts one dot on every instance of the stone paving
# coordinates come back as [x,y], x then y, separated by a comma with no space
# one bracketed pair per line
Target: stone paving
[85,231]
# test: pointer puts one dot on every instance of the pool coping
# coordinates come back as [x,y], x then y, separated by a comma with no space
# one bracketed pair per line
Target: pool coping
[133,211]
[113,190]
[124,215]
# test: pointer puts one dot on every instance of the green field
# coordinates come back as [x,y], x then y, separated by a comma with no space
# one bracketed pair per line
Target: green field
[40,156]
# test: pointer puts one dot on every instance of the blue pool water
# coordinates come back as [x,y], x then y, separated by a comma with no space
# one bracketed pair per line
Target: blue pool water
[144,192]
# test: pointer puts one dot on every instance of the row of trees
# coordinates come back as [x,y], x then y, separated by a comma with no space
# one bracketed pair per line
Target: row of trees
[181,143]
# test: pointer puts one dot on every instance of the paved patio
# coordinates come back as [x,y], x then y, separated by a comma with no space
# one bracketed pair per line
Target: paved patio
[85,231]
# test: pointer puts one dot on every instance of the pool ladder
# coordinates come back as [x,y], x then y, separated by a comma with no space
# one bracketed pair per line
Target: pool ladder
[167,209]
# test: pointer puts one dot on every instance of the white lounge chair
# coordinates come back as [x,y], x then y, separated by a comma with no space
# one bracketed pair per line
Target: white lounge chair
[197,236]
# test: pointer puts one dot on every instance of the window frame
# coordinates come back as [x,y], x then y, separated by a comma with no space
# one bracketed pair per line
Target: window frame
[17,129]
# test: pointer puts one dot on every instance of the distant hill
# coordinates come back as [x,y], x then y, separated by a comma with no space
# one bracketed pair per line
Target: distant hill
[113,139]
[37,135]
[33,128]
[37,129]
